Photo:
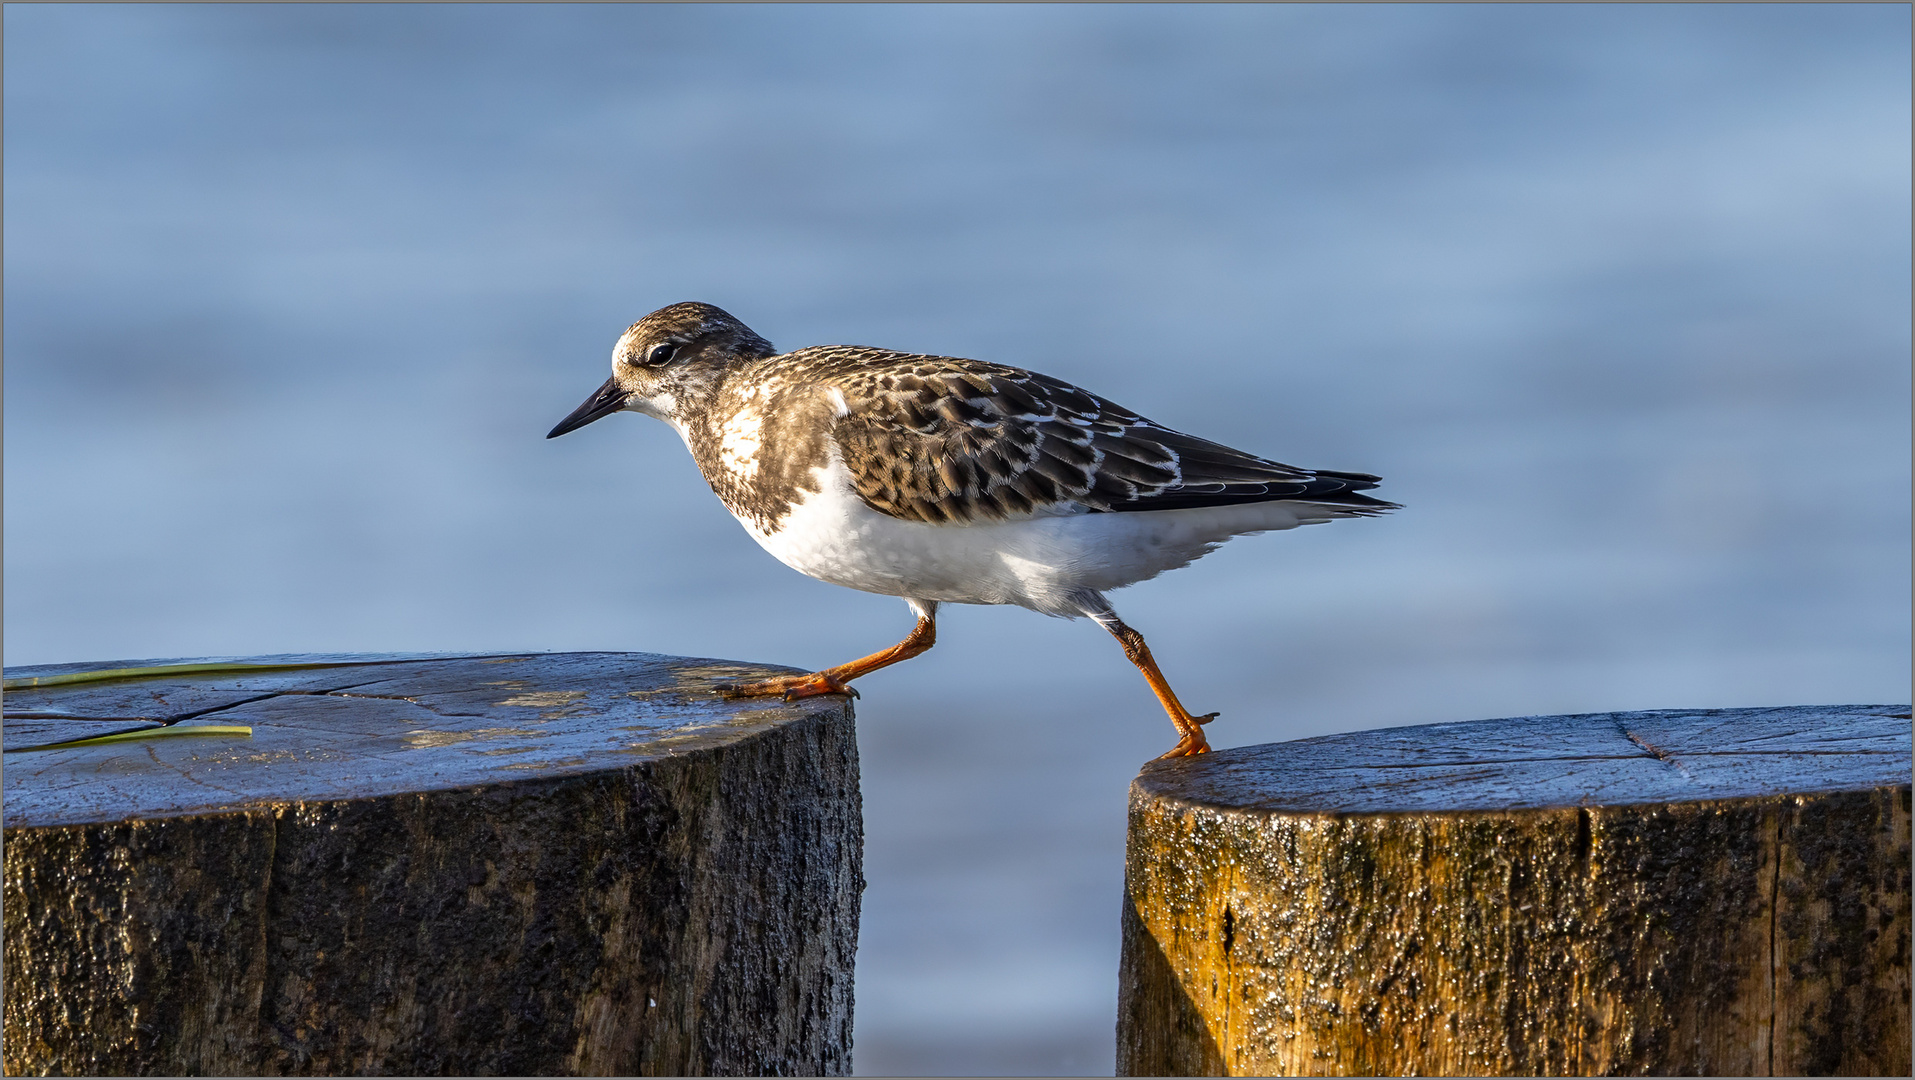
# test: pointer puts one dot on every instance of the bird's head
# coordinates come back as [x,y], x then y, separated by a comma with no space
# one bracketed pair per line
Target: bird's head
[667,359]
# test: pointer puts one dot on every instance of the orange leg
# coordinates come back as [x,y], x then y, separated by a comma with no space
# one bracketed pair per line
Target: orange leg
[835,680]
[1189,728]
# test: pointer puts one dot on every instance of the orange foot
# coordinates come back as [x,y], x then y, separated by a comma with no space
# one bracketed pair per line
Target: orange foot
[1193,742]
[789,687]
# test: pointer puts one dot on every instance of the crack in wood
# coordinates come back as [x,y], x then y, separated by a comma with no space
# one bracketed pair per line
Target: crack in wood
[179,718]
[1654,751]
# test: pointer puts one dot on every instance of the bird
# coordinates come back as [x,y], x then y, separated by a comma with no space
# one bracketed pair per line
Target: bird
[944,480]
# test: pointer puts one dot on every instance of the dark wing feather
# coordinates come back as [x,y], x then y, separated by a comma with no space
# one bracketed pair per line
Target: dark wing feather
[939,439]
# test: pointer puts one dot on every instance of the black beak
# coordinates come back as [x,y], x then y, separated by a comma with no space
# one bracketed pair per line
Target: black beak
[607,400]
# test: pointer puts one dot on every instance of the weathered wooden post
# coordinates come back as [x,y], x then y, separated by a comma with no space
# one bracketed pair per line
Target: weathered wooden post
[526,864]
[1718,892]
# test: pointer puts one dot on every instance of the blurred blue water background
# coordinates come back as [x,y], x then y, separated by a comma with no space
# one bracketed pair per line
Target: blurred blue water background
[1615,298]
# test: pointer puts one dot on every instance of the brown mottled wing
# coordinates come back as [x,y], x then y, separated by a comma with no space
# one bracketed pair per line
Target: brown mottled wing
[938,439]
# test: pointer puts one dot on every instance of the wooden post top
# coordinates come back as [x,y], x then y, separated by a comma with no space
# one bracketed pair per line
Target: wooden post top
[331,727]
[1542,762]
[1717,892]
[514,865]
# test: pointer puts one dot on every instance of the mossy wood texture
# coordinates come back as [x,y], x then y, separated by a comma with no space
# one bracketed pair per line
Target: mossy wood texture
[1719,892]
[534,865]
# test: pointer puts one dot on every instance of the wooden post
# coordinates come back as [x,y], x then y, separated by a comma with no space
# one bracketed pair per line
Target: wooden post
[1719,892]
[526,864]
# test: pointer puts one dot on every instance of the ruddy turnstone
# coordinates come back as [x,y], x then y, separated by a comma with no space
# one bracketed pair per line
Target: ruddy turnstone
[944,480]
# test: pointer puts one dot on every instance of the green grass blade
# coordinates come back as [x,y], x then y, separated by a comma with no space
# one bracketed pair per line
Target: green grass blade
[145,733]
[162,671]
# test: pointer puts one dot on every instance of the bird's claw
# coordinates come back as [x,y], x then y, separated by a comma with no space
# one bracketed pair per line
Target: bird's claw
[1187,747]
[833,687]
[1192,741]
[788,687]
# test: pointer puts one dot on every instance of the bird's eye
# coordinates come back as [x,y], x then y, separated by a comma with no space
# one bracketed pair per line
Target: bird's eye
[661,354]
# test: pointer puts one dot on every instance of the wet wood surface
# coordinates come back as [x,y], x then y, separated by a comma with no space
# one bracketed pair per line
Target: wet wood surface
[1719,892]
[514,864]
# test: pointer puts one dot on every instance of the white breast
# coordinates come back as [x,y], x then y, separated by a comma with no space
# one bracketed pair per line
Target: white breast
[1038,563]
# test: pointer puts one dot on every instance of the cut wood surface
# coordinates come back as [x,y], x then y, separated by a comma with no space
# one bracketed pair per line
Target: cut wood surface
[1711,891]
[512,864]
